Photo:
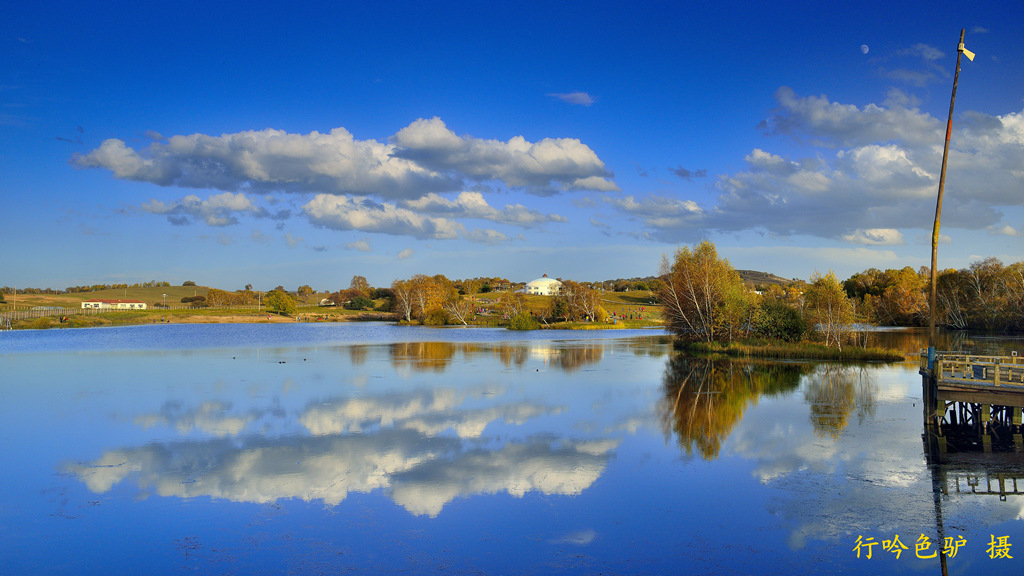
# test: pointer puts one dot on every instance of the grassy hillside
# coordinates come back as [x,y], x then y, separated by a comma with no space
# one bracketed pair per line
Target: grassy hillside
[754,277]
[148,295]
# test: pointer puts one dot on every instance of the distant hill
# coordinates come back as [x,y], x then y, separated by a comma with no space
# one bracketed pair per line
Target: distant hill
[755,277]
[749,277]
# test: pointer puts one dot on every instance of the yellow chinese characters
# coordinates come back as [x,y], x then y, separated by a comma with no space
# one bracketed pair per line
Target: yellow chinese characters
[923,545]
[953,546]
[866,543]
[999,547]
[894,546]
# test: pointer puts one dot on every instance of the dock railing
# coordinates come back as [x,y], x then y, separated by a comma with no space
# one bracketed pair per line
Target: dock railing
[977,369]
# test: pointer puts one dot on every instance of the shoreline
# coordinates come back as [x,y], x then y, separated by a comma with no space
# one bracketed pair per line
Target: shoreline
[135,318]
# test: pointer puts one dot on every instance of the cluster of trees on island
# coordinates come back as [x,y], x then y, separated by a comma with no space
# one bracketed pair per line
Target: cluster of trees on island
[705,300]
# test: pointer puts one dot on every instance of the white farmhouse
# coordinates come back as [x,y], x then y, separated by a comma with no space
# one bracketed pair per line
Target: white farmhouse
[543,286]
[114,304]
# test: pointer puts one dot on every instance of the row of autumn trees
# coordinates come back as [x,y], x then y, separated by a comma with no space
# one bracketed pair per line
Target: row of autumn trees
[705,300]
[436,300]
[987,295]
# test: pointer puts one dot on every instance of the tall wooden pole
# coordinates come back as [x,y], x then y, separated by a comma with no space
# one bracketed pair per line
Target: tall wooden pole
[938,209]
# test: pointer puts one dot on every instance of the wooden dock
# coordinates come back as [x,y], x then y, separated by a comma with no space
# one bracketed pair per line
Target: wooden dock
[976,389]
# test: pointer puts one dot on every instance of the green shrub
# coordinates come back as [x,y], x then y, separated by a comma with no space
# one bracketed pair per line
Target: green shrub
[280,302]
[41,323]
[523,321]
[358,303]
[780,321]
[436,317]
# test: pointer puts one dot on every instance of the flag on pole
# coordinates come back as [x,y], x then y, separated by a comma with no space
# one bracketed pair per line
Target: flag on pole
[968,53]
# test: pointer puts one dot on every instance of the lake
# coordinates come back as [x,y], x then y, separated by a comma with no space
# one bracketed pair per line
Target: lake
[371,449]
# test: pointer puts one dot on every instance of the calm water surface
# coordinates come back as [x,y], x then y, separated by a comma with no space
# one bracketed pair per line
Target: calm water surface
[327,448]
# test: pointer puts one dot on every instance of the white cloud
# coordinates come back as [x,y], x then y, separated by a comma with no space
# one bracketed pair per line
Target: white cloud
[831,124]
[924,51]
[405,254]
[868,169]
[360,245]
[266,160]
[292,241]
[344,213]
[430,413]
[483,236]
[580,538]
[579,98]
[217,210]
[210,417]
[876,237]
[420,473]
[540,167]
[423,157]
[473,205]
[599,183]
[1006,230]
[661,212]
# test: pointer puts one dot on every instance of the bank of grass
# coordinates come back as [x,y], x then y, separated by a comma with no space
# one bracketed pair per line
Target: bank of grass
[620,325]
[199,316]
[792,350]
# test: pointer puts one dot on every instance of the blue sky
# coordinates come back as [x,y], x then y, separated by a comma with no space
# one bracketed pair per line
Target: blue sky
[234,143]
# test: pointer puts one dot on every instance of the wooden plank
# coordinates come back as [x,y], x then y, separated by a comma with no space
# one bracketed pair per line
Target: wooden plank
[976,396]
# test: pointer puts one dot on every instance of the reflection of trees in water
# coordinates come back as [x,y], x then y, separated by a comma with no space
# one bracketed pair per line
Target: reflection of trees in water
[650,346]
[705,399]
[512,354]
[913,340]
[833,393]
[568,358]
[437,356]
[422,356]
[357,354]
[575,357]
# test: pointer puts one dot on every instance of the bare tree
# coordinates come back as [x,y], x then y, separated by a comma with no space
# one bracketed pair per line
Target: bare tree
[404,303]
[359,283]
[459,309]
[580,300]
[829,310]
[512,303]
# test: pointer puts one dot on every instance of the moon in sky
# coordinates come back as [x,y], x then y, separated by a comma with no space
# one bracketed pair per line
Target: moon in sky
[864,48]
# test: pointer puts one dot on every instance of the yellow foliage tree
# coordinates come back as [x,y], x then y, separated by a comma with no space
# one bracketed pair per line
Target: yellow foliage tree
[699,293]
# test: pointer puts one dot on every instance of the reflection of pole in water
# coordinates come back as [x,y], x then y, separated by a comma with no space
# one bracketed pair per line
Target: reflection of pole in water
[972,446]
[932,452]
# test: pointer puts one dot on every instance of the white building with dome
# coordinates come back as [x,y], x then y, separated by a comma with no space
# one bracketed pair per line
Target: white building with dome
[543,286]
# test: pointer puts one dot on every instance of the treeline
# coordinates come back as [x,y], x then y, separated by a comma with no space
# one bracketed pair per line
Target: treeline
[218,298]
[987,295]
[90,288]
[436,300]
[651,283]
[706,301]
